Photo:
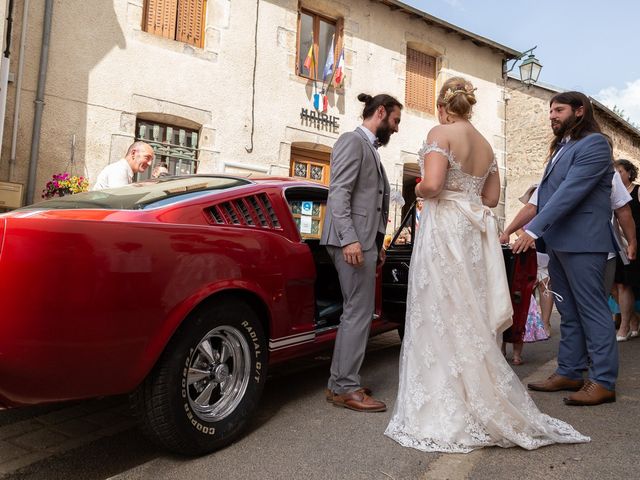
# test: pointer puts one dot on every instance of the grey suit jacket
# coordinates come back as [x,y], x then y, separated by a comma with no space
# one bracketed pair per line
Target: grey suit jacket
[358,204]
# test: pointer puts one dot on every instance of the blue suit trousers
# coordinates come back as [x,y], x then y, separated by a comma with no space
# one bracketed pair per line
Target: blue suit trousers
[586,328]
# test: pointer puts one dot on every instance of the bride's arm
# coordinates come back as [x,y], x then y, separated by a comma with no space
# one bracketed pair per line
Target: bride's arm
[435,166]
[491,190]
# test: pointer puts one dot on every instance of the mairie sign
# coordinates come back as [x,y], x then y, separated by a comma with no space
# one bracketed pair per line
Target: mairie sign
[319,120]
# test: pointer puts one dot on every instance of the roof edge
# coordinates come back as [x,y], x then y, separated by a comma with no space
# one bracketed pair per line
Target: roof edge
[479,40]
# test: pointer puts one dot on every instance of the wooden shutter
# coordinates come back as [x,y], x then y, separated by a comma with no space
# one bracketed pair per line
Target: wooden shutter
[160,18]
[420,86]
[191,22]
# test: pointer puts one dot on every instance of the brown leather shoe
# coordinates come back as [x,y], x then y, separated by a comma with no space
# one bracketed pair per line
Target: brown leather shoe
[555,383]
[359,401]
[591,394]
[329,394]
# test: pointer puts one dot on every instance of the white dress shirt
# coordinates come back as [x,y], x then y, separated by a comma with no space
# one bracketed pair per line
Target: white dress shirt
[117,174]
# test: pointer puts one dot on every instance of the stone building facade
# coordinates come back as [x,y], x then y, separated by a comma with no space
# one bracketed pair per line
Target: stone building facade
[237,95]
[529,135]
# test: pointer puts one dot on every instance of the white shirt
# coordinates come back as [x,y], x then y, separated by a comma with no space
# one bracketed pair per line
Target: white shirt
[117,174]
[372,138]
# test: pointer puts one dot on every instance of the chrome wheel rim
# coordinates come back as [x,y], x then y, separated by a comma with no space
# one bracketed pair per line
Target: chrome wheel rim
[218,373]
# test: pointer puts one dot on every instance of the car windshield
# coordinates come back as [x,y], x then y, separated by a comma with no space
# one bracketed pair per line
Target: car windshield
[147,194]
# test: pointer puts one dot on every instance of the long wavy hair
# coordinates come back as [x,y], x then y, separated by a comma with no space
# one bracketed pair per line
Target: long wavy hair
[585,125]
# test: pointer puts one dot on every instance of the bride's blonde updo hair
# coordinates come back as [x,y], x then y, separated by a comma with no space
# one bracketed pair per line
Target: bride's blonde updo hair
[457,97]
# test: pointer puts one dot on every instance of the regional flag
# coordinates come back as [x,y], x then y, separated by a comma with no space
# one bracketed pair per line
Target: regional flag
[339,75]
[310,61]
[328,66]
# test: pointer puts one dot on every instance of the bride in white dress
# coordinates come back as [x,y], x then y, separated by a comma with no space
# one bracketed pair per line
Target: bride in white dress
[456,391]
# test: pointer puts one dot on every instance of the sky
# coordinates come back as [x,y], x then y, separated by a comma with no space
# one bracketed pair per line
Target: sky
[591,46]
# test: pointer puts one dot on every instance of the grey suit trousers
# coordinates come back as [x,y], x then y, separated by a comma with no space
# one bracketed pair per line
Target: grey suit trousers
[358,292]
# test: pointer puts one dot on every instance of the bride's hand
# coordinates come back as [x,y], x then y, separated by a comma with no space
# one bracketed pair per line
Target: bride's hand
[504,238]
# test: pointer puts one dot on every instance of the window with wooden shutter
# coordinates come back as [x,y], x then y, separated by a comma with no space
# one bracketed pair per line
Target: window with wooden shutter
[181,20]
[420,86]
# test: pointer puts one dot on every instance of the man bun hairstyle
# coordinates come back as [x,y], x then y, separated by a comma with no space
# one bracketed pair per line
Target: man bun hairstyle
[457,96]
[371,104]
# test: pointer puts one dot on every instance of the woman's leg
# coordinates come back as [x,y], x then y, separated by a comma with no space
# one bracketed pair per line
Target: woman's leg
[627,304]
[517,353]
[546,305]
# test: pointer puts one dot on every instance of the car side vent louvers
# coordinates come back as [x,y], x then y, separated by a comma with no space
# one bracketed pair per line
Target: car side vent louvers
[254,210]
[259,211]
[242,208]
[217,216]
[272,215]
[227,208]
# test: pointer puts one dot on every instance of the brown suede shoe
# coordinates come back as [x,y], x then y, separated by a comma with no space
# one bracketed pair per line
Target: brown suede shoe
[359,401]
[591,394]
[329,394]
[555,383]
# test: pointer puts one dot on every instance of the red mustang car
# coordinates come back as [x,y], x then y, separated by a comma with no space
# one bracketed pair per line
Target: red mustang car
[180,290]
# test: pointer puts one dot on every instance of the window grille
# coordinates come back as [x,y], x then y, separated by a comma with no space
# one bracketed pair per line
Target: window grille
[175,146]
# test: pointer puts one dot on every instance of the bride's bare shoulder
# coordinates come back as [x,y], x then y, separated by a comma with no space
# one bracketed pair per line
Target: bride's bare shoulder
[439,134]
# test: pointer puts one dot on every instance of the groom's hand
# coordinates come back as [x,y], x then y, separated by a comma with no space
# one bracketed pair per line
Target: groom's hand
[382,256]
[523,243]
[504,238]
[353,254]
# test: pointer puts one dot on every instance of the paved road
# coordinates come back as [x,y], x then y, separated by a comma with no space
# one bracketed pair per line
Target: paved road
[297,435]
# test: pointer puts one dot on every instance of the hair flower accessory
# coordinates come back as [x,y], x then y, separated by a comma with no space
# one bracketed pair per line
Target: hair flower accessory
[450,94]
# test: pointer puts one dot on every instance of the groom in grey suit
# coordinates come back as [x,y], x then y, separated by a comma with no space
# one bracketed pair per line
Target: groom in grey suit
[353,232]
[573,226]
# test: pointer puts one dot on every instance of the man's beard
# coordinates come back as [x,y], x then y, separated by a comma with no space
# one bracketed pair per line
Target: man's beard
[383,132]
[560,130]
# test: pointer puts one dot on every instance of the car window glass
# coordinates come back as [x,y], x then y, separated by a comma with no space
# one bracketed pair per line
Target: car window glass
[148,194]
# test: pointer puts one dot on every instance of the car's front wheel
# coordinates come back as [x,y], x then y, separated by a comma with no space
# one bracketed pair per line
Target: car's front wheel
[208,381]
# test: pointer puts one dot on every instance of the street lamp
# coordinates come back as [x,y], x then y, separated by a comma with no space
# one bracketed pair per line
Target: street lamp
[529,68]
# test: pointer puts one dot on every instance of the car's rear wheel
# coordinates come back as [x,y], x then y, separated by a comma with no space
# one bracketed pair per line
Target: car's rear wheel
[208,381]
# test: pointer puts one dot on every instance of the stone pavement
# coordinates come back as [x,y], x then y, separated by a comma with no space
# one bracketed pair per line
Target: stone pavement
[68,427]
[37,438]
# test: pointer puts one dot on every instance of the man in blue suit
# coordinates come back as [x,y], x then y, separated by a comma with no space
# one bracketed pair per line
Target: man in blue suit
[572,225]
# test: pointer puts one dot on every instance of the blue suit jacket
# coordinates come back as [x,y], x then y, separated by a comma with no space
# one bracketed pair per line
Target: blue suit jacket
[574,199]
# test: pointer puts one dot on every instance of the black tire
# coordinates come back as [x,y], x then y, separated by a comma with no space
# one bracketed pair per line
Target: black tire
[166,402]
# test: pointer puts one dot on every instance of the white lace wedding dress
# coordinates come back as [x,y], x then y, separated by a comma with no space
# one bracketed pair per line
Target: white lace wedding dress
[456,391]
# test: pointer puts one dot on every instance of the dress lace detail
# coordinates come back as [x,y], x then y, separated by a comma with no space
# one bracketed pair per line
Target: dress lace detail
[457,180]
[456,391]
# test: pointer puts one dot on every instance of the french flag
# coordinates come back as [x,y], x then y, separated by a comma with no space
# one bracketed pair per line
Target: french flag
[339,75]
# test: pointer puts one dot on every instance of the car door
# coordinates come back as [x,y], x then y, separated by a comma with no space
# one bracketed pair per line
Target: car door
[395,271]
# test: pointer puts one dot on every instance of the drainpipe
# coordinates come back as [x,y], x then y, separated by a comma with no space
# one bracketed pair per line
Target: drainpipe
[37,119]
[16,106]
[4,69]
